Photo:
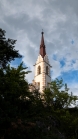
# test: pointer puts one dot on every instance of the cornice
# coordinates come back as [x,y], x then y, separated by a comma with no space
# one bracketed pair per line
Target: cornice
[45,62]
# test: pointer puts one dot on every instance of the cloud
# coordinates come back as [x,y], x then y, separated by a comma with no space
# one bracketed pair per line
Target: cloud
[24,20]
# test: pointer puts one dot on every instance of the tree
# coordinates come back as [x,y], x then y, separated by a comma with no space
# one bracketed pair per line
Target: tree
[13,85]
[7,50]
[13,82]
[24,114]
[57,97]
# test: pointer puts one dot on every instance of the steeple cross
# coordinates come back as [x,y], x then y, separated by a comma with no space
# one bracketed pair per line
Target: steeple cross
[42,32]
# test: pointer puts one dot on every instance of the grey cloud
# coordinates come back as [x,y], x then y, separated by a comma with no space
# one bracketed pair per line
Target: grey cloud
[24,20]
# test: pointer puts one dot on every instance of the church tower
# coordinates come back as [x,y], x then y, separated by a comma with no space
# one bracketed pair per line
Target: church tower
[42,76]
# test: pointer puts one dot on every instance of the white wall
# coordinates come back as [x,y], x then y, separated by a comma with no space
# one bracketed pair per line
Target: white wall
[43,78]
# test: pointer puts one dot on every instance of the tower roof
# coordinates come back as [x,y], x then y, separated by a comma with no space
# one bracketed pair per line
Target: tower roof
[42,46]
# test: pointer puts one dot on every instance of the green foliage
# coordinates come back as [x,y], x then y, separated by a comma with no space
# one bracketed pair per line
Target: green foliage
[58,98]
[13,82]
[14,94]
[7,51]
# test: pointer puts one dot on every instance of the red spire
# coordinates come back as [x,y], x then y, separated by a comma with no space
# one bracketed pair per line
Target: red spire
[42,46]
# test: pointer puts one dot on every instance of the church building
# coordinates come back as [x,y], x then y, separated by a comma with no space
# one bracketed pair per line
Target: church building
[42,76]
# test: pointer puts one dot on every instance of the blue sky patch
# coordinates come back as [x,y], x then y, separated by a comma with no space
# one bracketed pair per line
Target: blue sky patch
[72,42]
[16,62]
[62,63]
[73,62]
[69,77]
[54,57]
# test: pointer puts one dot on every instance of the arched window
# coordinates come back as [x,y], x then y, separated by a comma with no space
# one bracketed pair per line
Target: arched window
[38,85]
[39,70]
[47,70]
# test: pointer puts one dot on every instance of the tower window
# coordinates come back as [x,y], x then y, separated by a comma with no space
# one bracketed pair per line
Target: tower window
[39,70]
[38,85]
[47,70]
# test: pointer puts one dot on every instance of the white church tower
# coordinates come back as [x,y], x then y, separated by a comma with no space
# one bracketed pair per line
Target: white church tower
[42,76]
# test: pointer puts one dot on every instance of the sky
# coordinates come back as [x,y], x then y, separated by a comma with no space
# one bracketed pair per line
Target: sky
[23,20]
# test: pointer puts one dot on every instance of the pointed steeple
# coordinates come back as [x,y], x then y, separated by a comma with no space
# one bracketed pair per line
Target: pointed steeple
[42,46]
